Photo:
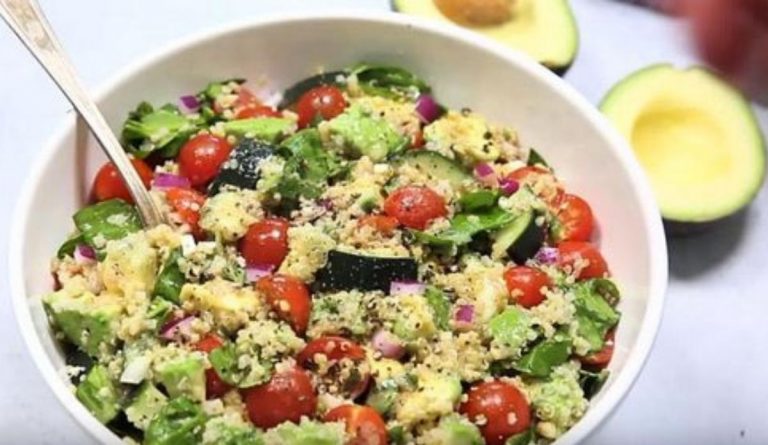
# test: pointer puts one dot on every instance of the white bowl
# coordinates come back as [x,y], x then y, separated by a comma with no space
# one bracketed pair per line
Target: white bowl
[463,68]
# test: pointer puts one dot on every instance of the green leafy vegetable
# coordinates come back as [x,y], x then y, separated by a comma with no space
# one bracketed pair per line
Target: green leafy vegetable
[68,248]
[268,129]
[441,307]
[592,382]
[594,314]
[478,200]
[397,435]
[180,422]
[214,89]
[389,81]
[545,356]
[158,310]
[148,130]
[524,438]
[534,158]
[171,279]
[464,226]
[105,221]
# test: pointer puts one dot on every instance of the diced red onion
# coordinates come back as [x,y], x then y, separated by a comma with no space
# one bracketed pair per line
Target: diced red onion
[485,173]
[190,103]
[508,186]
[172,329]
[388,344]
[406,287]
[427,108]
[255,273]
[547,255]
[168,180]
[327,204]
[84,254]
[465,314]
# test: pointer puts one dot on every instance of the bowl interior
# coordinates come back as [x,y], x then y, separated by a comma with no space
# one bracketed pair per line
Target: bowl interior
[464,71]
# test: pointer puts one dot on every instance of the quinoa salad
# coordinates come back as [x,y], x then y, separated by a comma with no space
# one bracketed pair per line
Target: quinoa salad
[348,263]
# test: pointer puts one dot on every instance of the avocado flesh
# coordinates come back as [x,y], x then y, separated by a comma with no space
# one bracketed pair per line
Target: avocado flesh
[696,138]
[544,29]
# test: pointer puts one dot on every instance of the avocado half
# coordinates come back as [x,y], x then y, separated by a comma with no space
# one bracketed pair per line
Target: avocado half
[697,139]
[544,29]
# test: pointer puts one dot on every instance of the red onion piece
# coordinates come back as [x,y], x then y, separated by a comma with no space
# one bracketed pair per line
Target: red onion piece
[508,186]
[169,180]
[547,255]
[257,272]
[485,173]
[427,108]
[190,103]
[175,327]
[84,254]
[465,314]
[388,344]
[406,288]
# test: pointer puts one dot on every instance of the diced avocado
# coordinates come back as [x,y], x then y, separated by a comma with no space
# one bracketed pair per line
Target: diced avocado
[231,305]
[415,318]
[456,430]
[519,240]
[228,214]
[478,200]
[307,432]
[184,376]
[99,394]
[467,135]
[147,130]
[147,402]
[435,396]
[171,279]
[440,305]
[436,167]
[696,137]
[130,265]
[545,356]
[105,221]
[228,431]
[179,422]
[360,134]
[267,129]
[510,331]
[558,400]
[88,321]
[544,29]
[339,313]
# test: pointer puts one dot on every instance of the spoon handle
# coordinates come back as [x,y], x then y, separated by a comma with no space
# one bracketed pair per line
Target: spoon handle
[28,22]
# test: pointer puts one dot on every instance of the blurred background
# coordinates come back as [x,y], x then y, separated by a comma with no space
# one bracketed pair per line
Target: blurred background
[703,381]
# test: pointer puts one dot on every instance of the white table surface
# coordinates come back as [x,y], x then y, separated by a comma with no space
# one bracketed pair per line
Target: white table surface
[705,379]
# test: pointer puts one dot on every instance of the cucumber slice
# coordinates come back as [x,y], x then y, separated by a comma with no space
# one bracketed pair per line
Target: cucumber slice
[520,239]
[436,166]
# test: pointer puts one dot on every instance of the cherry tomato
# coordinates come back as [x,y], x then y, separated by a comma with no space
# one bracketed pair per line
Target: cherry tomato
[339,353]
[363,424]
[215,387]
[571,251]
[502,406]
[575,216]
[324,101]
[601,358]
[525,284]
[542,180]
[108,183]
[415,206]
[253,111]
[417,141]
[201,157]
[382,223]
[187,203]
[265,243]
[285,398]
[289,297]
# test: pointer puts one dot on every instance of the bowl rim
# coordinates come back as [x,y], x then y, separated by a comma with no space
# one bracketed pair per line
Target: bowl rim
[595,416]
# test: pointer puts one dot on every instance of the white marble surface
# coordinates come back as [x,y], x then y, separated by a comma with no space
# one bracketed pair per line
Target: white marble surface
[703,383]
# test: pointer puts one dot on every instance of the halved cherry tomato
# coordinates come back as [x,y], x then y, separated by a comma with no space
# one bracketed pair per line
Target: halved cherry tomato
[571,251]
[363,424]
[503,409]
[287,397]
[541,180]
[525,284]
[324,102]
[187,203]
[289,297]
[253,111]
[265,243]
[601,358]
[382,223]
[417,141]
[108,183]
[201,157]
[215,387]
[576,219]
[415,206]
[338,352]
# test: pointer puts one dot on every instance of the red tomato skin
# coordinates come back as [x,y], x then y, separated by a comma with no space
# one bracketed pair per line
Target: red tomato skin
[287,397]
[289,297]
[417,141]
[201,158]
[524,285]
[576,219]
[108,184]
[382,223]
[415,207]
[363,424]
[265,243]
[255,111]
[324,101]
[498,402]
[570,251]
[335,348]
[209,343]
[601,358]
[215,387]
[187,203]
